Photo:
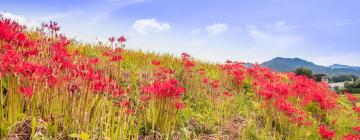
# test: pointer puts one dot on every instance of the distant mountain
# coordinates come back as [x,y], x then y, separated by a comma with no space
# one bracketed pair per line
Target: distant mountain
[339,66]
[291,64]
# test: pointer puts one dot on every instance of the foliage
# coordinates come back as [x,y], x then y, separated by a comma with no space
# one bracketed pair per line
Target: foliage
[303,71]
[344,78]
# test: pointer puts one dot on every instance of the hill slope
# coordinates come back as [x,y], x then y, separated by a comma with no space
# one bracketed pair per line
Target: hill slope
[55,88]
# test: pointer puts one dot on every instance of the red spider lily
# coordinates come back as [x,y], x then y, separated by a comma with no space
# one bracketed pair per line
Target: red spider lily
[98,86]
[215,84]
[129,111]
[185,55]
[352,137]
[228,94]
[118,92]
[188,64]
[94,61]
[119,50]
[356,128]
[155,62]
[52,80]
[112,39]
[116,58]
[20,37]
[53,26]
[201,72]
[180,105]
[205,80]
[334,121]
[125,103]
[325,132]
[106,53]
[26,91]
[121,39]
[165,89]
[351,97]
[356,109]
[73,88]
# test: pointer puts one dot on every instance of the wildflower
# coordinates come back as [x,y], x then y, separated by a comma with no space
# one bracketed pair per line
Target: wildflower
[188,64]
[116,58]
[52,80]
[20,37]
[201,72]
[155,62]
[180,105]
[228,94]
[26,91]
[205,80]
[106,53]
[356,128]
[121,39]
[98,86]
[351,97]
[352,137]
[356,109]
[165,89]
[112,39]
[325,132]
[126,103]
[215,84]
[94,61]
[129,111]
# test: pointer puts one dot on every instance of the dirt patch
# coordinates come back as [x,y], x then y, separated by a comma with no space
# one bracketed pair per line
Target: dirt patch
[233,127]
[22,130]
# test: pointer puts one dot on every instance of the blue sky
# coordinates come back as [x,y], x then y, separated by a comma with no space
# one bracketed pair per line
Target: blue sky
[321,31]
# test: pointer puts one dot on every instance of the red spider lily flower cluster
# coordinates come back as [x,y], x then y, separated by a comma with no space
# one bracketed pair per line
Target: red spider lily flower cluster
[166,89]
[155,63]
[355,136]
[280,90]
[53,26]
[114,56]
[26,91]
[121,39]
[112,39]
[352,137]
[236,69]
[325,132]
[161,72]
[27,59]
[188,64]
[351,97]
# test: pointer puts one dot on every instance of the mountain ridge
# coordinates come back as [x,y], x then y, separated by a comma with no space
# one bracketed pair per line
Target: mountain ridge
[290,64]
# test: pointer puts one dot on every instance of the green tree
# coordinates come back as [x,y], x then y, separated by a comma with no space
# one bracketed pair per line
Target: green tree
[303,71]
[344,78]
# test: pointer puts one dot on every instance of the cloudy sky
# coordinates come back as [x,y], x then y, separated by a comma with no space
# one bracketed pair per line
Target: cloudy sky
[321,31]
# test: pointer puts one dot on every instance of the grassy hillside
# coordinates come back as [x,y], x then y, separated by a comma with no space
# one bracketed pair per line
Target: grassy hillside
[55,88]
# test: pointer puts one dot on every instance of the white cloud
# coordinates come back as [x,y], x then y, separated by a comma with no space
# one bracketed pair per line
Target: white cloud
[276,37]
[342,22]
[20,19]
[281,26]
[216,29]
[145,26]
[195,31]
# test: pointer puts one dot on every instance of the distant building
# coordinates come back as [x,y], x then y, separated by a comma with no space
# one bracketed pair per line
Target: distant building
[338,85]
[322,78]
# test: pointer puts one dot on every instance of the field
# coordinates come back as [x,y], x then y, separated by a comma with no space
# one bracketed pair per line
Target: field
[53,87]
